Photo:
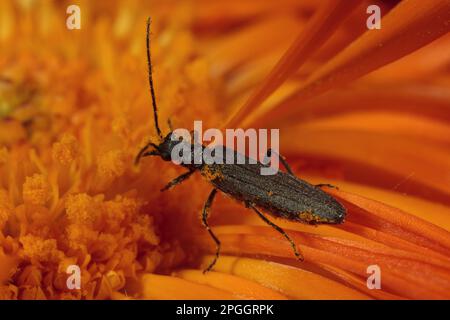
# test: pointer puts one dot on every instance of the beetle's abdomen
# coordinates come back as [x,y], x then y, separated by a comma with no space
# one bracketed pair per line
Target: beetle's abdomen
[282,194]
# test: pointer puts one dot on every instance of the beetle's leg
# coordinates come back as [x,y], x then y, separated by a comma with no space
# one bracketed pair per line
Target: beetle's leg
[150,153]
[205,215]
[273,225]
[282,160]
[178,180]
[143,153]
[326,185]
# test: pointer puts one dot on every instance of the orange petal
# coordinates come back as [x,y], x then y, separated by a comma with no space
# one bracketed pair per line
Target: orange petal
[406,274]
[317,31]
[293,282]
[424,99]
[360,284]
[213,14]
[394,159]
[432,212]
[427,62]
[234,50]
[237,285]
[391,220]
[170,288]
[409,26]
[380,122]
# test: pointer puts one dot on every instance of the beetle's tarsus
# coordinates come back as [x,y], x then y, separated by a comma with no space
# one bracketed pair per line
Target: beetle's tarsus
[299,256]
[205,215]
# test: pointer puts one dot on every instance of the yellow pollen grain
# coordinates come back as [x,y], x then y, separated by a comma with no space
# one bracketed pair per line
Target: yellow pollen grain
[111,164]
[40,249]
[36,190]
[66,150]
[307,216]
[211,174]
[82,209]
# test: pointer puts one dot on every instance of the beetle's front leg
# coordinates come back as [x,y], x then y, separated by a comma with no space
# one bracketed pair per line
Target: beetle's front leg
[178,180]
[144,153]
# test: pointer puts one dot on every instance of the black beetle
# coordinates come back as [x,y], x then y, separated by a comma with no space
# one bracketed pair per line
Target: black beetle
[282,195]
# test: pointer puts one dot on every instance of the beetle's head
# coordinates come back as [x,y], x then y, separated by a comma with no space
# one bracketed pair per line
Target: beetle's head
[167,145]
[163,149]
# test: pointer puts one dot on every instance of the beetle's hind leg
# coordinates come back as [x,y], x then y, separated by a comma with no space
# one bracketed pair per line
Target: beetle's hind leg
[282,160]
[178,180]
[273,225]
[205,215]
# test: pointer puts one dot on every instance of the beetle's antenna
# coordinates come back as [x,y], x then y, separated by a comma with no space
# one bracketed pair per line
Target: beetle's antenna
[150,80]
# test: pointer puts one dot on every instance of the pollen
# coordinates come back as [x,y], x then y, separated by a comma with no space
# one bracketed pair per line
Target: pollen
[66,150]
[83,209]
[120,211]
[45,250]
[121,127]
[111,164]
[310,217]
[36,190]
[79,236]
[211,174]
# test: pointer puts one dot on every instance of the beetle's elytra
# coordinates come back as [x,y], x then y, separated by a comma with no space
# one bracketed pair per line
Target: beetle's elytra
[282,195]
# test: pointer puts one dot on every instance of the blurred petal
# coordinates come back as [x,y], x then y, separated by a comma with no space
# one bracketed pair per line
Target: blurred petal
[411,25]
[318,30]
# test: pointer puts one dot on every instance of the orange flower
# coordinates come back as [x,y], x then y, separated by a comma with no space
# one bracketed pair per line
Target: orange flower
[366,110]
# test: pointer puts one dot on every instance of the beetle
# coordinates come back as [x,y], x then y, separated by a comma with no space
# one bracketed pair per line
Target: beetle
[282,195]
